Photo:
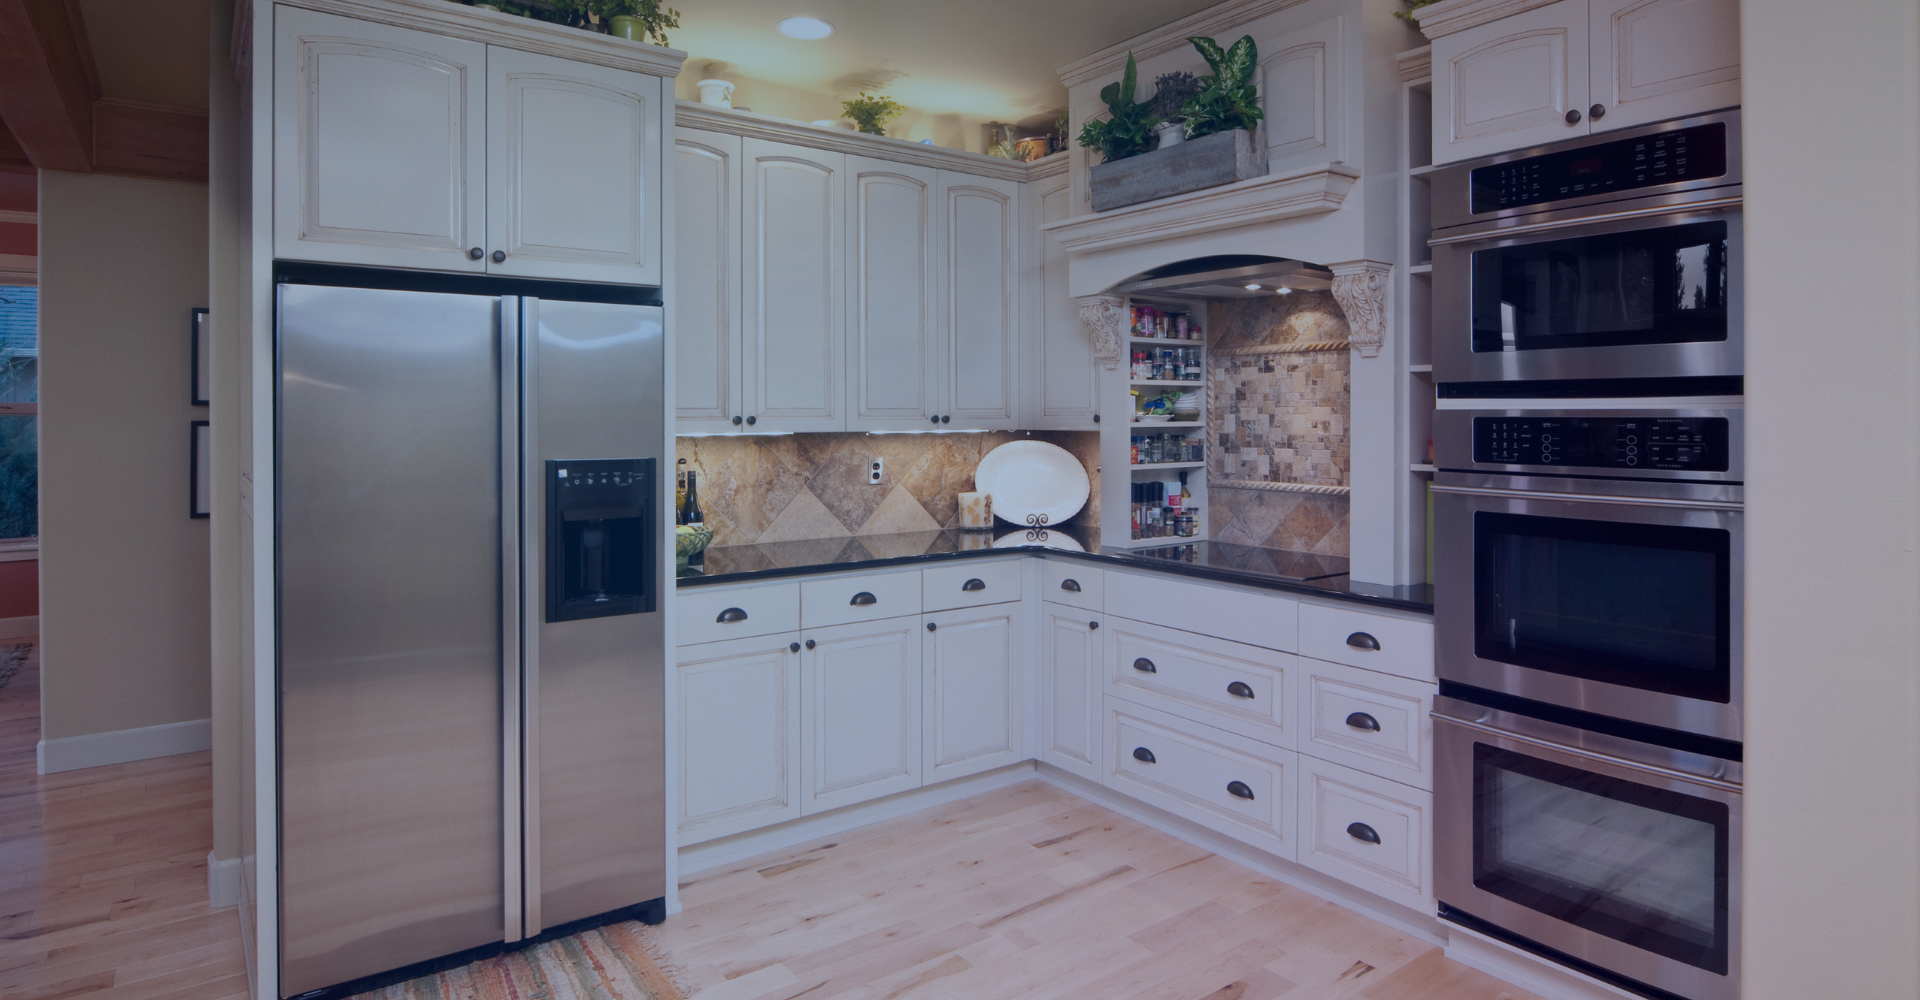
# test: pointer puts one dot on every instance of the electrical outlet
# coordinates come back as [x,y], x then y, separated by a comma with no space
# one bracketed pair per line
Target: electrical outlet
[875,472]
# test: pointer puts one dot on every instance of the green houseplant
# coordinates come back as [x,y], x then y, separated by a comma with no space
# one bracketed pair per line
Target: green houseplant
[872,112]
[1228,99]
[1171,92]
[1128,127]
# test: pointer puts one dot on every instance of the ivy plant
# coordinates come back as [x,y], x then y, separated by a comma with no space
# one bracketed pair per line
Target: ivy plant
[1228,98]
[872,112]
[1128,128]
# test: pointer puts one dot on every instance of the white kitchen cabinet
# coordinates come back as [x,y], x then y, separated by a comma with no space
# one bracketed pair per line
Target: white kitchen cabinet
[860,699]
[1658,59]
[739,735]
[1300,90]
[1070,689]
[379,144]
[1367,831]
[973,683]
[573,170]
[893,347]
[706,292]
[1511,83]
[793,205]
[1066,382]
[980,292]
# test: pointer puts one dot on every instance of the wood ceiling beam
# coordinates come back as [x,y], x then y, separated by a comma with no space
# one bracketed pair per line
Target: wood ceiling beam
[146,140]
[13,159]
[46,89]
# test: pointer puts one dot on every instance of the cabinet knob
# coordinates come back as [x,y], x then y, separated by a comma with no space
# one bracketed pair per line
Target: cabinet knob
[809,643]
[863,599]
[732,615]
[751,420]
[1239,790]
[1573,116]
[1597,112]
[1145,666]
[1361,640]
[1070,585]
[476,253]
[1240,689]
[1096,418]
[935,419]
[1363,833]
[974,584]
[1093,625]
[931,626]
[793,647]
[736,421]
[1361,720]
[499,255]
[1144,755]
[946,418]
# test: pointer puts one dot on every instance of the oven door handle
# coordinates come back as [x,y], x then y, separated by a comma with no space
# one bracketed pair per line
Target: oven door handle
[1604,758]
[1484,491]
[1490,235]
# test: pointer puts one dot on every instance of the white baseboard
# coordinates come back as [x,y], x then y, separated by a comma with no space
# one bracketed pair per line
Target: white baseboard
[224,886]
[741,846]
[24,627]
[1526,970]
[72,753]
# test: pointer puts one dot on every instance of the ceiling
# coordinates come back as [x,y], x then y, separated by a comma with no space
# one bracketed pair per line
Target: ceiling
[987,60]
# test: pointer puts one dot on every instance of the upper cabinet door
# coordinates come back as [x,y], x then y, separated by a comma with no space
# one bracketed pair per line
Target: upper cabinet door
[379,144]
[1512,83]
[893,354]
[791,371]
[1300,90]
[981,299]
[570,190]
[1660,59]
[706,281]
[1069,381]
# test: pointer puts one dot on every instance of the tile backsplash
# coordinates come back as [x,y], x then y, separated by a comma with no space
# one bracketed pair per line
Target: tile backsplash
[786,487]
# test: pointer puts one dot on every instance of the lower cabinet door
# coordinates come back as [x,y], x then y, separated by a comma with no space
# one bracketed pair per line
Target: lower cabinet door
[1367,831]
[973,686]
[1240,787]
[1070,689]
[860,697]
[739,735]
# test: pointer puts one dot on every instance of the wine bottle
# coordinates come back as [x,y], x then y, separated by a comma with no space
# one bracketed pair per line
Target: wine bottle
[690,512]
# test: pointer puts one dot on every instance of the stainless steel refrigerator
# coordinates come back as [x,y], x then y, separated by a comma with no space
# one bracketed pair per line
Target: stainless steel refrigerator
[470,511]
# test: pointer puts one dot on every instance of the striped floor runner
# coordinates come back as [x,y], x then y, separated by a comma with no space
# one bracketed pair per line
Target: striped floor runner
[617,962]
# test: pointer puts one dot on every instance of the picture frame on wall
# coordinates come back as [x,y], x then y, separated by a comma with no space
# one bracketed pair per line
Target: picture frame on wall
[202,357]
[200,469]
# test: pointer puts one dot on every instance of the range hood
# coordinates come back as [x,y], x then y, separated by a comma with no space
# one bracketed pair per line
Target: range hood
[1230,277]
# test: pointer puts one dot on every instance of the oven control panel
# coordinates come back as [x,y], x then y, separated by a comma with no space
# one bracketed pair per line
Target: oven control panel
[1682,154]
[1693,444]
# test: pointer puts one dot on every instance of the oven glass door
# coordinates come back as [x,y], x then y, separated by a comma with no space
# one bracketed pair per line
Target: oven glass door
[1661,285]
[1640,605]
[1642,865]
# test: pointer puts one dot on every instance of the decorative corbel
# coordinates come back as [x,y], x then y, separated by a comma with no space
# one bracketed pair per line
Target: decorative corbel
[1360,286]
[1104,317]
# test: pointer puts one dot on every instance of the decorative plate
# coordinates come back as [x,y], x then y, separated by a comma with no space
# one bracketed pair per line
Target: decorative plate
[1033,482]
[1042,537]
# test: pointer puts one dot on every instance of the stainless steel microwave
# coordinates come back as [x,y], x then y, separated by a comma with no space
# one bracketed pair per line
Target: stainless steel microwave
[1607,257]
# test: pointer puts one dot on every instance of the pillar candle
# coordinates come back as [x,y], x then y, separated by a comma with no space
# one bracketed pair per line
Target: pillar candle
[976,511]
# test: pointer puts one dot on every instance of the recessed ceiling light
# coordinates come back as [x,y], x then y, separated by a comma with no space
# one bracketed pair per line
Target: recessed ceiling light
[804,27]
[1253,288]
[1284,290]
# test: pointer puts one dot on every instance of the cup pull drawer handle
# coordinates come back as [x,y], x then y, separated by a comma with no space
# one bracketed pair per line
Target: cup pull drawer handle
[1361,720]
[1144,755]
[862,599]
[1145,666]
[1239,790]
[1361,640]
[1240,689]
[974,584]
[1070,585]
[731,615]
[1363,833]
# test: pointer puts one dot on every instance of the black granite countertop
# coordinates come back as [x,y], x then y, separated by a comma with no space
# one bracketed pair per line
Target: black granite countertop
[1225,562]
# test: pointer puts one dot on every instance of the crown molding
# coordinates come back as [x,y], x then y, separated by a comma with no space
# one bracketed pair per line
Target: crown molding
[495,28]
[1450,16]
[1112,60]
[1051,165]
[1229,206]
[745,123]
[1416,64]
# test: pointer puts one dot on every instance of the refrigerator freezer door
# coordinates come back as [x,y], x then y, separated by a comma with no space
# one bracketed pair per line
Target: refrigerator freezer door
[390,452]
[595,687]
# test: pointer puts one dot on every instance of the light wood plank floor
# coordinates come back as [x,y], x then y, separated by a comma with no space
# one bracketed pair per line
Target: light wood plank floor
[103,874]
[1031,893]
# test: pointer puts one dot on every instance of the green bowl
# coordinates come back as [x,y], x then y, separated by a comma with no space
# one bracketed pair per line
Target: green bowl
[688,539]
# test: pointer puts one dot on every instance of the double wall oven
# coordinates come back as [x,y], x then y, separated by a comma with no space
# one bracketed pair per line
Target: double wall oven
[1588,544]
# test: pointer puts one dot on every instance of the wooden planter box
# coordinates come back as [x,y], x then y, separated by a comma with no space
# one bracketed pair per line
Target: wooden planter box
[1209,161]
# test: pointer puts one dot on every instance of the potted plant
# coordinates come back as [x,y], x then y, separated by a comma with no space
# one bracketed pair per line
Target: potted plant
[872,112]
[1128,127]
[1228,99]
[1220,144]
[1171,92]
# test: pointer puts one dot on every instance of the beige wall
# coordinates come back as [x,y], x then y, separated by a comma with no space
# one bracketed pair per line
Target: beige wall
[123,570]
[1833,579]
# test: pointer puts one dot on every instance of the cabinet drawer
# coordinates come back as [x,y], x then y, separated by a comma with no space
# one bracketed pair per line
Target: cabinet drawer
[1070,581]
[864,598]
[971,584]
[1391,645]
[769,609]
[1243,688]
[1373,721]
[1225,782]
[1249,616]
[1367,831]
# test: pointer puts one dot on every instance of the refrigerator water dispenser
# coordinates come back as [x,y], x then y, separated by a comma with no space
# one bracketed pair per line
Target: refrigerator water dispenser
[600,539]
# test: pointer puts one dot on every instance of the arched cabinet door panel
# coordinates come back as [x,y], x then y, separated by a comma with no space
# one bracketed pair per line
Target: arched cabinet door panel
[981,295]
[706,281]
[1660,59]
[1512,83]
[793,207]
[892,336]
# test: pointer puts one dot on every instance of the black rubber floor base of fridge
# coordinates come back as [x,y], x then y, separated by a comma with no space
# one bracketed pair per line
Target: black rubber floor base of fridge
[653,911]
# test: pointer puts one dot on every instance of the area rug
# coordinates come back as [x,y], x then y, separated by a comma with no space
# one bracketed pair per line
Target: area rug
[10,659]
[616,962]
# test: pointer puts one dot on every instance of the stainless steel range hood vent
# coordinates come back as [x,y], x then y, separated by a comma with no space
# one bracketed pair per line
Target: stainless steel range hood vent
[1235,277]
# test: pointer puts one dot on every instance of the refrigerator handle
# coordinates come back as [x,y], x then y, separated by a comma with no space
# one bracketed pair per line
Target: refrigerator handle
[511,572]
[533,494]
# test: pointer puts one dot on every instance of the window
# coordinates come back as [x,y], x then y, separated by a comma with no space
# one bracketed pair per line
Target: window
[19,411]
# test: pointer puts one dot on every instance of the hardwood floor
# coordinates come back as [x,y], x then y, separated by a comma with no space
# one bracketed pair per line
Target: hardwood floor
[1031,893]
[103,874]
